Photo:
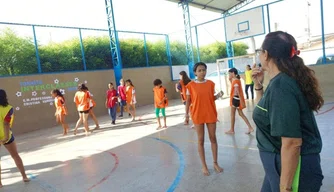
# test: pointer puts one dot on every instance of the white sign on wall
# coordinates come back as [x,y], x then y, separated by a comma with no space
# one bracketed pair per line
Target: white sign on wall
[38,92]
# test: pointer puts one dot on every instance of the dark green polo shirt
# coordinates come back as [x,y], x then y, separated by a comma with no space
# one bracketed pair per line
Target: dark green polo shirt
[283,111]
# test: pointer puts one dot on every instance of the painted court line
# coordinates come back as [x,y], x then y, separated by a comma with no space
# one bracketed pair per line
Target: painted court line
[111,171]
[181,167]
[43,184]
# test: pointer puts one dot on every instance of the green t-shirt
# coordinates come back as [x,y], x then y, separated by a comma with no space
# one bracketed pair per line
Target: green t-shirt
[283,111]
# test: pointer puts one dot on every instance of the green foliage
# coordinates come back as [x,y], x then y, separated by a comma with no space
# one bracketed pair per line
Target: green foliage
[17,54]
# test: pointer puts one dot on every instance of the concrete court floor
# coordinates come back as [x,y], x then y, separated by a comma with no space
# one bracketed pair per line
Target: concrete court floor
[135,157]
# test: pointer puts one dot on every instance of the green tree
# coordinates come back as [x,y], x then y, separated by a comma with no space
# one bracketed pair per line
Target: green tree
[64,56]
[97,53]
[17,54]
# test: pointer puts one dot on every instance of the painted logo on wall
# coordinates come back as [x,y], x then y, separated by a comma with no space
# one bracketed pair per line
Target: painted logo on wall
[37,92]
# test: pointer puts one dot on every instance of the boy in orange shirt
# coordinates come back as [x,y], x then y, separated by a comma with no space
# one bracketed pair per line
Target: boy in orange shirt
[201,96]
[160,101]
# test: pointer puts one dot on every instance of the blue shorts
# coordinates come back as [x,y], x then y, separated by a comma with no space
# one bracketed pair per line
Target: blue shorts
[11,140]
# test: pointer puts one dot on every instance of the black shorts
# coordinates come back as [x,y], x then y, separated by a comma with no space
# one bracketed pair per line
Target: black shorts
[11,140]
[85,112]
[236,101]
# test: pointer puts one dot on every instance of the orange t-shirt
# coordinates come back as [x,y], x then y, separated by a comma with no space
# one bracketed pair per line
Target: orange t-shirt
[202,98]
[82,100]
[160,99]
[60,106]
[183,91]
[240,93]
[130,95]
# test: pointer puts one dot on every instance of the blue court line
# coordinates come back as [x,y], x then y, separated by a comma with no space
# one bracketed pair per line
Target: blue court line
[43,184]
[182,164]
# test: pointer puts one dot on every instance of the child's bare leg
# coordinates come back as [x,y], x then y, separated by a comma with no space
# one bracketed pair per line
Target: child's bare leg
[214,146]
[243,116]
[129,110]
[231,131]
[134,112]
[159,123]
[91,113]
[165,122]
[201,150]
[85,122]
[12,149]
[80,120]
[63,124]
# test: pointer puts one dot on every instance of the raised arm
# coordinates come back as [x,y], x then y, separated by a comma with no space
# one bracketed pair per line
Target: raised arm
[258,77]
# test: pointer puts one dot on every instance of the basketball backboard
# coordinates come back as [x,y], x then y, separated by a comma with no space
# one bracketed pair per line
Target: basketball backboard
[245,24]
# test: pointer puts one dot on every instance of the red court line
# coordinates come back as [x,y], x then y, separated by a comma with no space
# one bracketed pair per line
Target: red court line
[109,174]
[325,111]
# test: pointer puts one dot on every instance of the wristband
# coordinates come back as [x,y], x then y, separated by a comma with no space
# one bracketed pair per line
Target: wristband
[259,89]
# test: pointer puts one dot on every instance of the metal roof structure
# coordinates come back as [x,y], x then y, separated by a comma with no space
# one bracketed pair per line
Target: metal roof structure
[218,6]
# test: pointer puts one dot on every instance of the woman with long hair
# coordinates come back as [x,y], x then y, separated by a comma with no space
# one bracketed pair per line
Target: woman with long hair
[82,101]
[61,110]
[288,137]
[237,101]
[131,98]
[6,136]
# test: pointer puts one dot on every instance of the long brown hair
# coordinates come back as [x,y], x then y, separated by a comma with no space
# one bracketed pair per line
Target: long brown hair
[185,78]
[282,48]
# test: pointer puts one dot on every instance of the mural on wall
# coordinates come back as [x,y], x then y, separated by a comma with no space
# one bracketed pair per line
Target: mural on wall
[38,92]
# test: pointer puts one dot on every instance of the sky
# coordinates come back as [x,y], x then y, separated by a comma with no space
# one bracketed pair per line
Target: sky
[158,16]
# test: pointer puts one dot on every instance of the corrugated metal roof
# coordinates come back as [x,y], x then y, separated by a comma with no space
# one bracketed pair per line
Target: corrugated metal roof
[219,6]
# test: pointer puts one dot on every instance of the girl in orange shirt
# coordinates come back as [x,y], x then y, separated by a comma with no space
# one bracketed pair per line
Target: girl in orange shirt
[237,100]
[82,100]
[92,104]
[130,98]
[61,109]
[201,95]
[160,101]
[181,87]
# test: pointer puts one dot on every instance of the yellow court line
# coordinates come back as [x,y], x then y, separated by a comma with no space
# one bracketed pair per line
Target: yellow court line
[227,146]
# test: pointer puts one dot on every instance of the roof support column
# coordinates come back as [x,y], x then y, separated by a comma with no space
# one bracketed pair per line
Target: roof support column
[114,42]
[230,53]
[188,35]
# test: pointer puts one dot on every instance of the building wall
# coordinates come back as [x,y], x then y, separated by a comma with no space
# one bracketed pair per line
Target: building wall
[34,109]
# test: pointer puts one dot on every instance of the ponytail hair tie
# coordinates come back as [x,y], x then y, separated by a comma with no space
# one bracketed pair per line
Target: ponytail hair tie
[294,52]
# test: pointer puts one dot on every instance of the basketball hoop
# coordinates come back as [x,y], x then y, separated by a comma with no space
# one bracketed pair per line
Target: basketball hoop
[242,33]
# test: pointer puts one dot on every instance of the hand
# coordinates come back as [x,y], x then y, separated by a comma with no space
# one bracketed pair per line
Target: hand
[220,94]
[257,76]
[4,140]
[186,119]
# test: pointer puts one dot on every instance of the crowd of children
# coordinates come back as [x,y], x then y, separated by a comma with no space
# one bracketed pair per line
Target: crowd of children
[123,96]
[198,96]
